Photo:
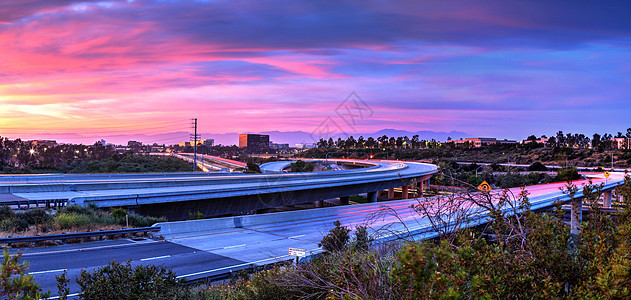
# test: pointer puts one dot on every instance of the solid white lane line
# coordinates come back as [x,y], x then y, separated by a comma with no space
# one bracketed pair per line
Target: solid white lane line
[277,258]
[157,257]
[44,272]
[69,295]
[296,236]
[235,246]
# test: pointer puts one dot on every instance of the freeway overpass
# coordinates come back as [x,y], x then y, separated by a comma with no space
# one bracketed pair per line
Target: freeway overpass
[207,248]
[176,195]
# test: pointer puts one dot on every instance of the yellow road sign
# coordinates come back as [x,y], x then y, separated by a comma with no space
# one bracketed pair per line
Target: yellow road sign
[484,186]
[607,174]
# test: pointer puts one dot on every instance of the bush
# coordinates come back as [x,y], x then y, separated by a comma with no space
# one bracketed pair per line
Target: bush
[37,216]
[119,213]
[71,220]
[301,166]
[196,215]
[537,166]
[122,281]
[14,283]
[20,221]
[566,174]
[143,221]
[253,168]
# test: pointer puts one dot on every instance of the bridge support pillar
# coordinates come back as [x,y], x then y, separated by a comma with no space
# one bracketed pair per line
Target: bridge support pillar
[607,199]
[372,197]
[404,191]
[420,188]
[390,194]
[345,200]
[576,215]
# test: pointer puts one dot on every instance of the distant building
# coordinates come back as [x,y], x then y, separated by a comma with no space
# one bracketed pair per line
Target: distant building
[538,141]
[134,144]
[254,143]
[47,143]
[505,141]
[204,142]
[479,142]
[476,142]
[620,143]
[306,146]
[274,146]
[184,144]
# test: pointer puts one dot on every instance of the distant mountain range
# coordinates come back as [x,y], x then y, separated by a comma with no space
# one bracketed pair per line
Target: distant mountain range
[280,137]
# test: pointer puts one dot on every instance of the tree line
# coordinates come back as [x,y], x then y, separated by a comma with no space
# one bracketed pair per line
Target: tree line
[558,140]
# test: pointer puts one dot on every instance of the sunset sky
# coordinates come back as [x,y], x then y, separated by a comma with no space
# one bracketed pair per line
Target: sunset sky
[488,68]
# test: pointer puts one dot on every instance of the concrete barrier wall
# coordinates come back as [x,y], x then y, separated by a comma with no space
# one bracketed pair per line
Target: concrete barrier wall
[170,229]
[189,228]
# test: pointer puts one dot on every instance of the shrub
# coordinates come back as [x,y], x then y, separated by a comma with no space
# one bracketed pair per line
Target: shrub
[253,168]
[537,166]
[143,221]
[119,213]
[14,283]
[301,166]
[37,216]
[71,220]
[566,174]
[196,215]
[122,281]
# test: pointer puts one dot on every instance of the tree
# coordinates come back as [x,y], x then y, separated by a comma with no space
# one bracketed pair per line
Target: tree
[339,143]
[330,143]
[596,142]
[14,283]
[253,168]
[399,142]
[350,142]
[370,142]
[301,166]
[383,140]
[322,144]
[415,141]
[560,139]
[361,142]
[337,238]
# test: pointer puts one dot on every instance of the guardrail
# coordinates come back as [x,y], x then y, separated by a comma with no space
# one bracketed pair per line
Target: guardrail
[65,236]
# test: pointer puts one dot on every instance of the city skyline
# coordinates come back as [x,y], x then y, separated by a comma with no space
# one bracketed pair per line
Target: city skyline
[509,69]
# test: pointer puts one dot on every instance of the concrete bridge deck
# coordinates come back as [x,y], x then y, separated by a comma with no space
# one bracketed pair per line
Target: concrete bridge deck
[177,195]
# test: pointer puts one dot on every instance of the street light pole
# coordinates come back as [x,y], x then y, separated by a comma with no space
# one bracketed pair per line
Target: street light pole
[612,159]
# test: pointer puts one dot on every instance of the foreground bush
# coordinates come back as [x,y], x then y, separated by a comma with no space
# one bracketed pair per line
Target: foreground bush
[123,281]
[14,283]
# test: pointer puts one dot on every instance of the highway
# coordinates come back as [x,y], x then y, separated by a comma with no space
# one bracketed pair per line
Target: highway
[201,248]
[191,191]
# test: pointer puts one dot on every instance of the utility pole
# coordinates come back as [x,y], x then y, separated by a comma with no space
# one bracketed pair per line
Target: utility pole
[611,159]
[194,136]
